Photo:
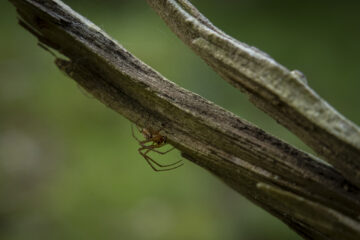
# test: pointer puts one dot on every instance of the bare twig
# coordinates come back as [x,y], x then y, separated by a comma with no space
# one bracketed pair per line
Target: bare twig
[281,93]
[288,183]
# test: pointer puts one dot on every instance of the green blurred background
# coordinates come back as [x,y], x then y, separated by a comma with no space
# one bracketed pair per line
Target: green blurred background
[69,168]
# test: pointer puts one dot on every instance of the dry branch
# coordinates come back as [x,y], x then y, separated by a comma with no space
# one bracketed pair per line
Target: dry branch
[312,198]
[281,93]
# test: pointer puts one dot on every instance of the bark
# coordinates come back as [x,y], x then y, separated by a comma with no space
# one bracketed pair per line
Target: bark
[314,199]
[281,93]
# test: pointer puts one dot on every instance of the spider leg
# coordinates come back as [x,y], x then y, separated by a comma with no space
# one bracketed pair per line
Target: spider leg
[148,158]
[138,128]
[149,162]
[157,151]
[145,155]
[133,134]
[143,142]
[171,168]
[151,148]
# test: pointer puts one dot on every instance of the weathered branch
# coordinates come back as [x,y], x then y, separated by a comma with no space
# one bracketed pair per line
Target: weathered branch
[281,93]
[312,198]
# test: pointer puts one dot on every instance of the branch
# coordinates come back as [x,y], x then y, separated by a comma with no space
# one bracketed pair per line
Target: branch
[312,198]
[282,94]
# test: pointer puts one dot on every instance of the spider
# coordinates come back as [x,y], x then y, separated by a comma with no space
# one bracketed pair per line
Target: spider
[153,140]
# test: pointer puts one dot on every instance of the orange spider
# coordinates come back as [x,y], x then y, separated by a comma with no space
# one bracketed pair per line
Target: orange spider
[153,140]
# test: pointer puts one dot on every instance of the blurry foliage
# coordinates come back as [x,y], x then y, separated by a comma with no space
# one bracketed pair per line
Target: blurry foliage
[69,167]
